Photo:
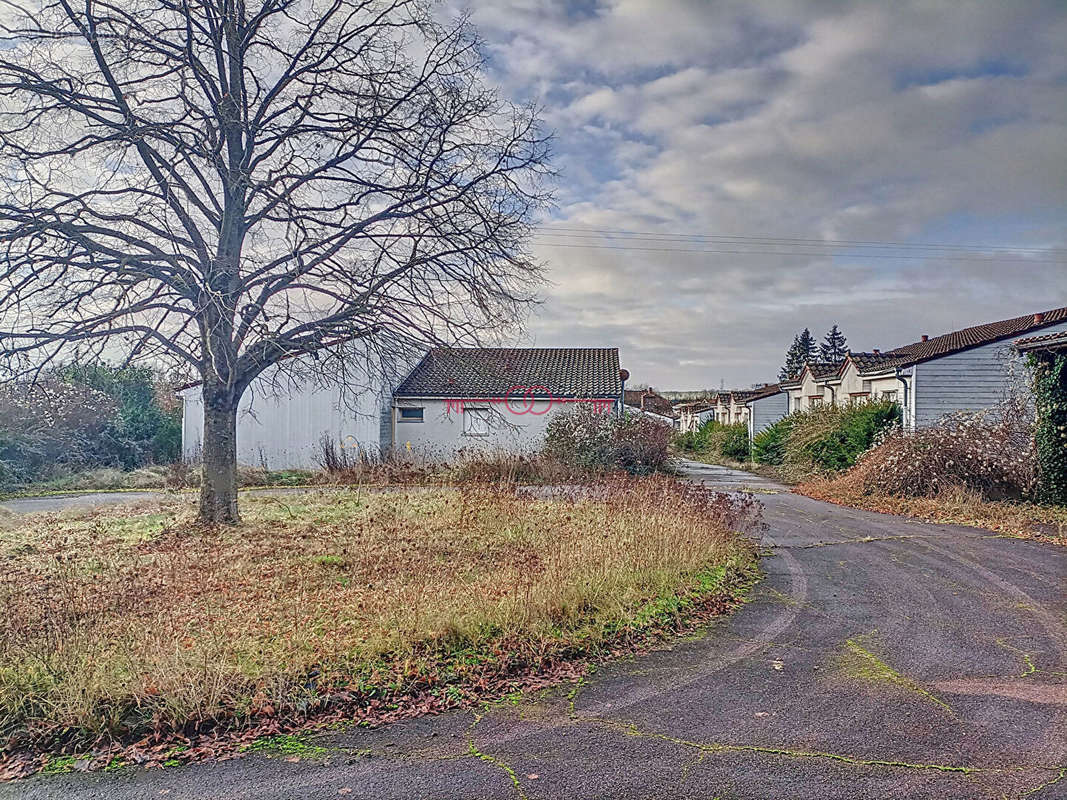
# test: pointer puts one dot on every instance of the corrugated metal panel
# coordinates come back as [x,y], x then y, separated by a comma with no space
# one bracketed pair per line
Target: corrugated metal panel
[284,430]
[766,412]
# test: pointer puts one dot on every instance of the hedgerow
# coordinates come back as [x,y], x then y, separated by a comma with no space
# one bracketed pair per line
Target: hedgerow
[828,439]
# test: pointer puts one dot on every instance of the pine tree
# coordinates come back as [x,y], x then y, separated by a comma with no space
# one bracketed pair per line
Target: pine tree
[833,346]
[807,347]
[789,369]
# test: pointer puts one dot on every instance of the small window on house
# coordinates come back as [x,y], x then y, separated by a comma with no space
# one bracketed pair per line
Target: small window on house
[476,422]
[411,415]
[891,396]
[815,401]
[867,386]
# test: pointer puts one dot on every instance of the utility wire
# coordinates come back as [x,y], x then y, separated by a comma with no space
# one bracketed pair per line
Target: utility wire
[572,232]
[801,253]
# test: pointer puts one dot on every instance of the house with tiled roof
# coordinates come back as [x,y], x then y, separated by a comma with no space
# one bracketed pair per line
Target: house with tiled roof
[650,402]
[467,399]
[730,406]
[451,399]
[965,370]
[816,384]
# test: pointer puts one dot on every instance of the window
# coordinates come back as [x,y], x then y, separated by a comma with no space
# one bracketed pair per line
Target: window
[892,395]
[476,422]
[410,415]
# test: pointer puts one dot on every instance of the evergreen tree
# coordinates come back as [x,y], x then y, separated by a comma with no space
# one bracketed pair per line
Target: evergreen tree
[789,368]
[833,346]
[807,347]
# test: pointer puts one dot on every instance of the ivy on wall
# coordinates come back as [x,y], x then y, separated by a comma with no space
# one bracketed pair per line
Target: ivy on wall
[1050,434]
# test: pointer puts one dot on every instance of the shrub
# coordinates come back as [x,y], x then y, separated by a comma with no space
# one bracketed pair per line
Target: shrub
[1049,373]
[989,452]
[831,438]
[602,442]
[85,417]
[729,441]
[716,439]
[768,446]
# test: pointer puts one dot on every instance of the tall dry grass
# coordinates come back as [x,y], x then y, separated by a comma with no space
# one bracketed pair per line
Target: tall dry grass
[116,625]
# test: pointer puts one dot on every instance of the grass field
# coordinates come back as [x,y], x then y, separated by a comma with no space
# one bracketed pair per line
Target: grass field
[122,624]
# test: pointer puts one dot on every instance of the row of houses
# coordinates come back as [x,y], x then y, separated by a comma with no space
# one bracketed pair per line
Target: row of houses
[966,370]
[458,399]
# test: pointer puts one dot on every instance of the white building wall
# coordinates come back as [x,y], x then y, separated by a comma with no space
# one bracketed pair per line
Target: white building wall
[809,389]
[283,429]
[766,411]
[441,434]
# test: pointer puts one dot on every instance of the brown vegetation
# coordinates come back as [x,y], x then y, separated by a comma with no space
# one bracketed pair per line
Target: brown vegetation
[127,625]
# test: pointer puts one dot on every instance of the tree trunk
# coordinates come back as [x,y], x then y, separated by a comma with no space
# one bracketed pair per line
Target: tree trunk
[218,486]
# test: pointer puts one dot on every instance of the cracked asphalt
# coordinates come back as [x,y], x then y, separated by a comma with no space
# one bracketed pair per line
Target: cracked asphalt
[954,685]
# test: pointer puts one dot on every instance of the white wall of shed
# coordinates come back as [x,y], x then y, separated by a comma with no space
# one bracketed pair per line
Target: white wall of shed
[283,429]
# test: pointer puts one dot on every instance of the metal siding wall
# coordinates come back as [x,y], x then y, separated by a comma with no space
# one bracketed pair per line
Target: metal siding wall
[767,411]
[192,424]
[968,381]
[283,430]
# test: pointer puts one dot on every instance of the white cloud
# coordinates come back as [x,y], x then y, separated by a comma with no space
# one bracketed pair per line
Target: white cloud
[920,121]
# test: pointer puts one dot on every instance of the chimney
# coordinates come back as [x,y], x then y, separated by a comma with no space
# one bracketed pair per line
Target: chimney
[1039,318]
[926,338]
[876,351]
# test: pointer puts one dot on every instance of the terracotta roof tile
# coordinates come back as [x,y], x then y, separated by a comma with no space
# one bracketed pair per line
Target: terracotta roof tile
[867,363]
[821,370]
[656,403]
[769,390]
[974,336]
[1058,340]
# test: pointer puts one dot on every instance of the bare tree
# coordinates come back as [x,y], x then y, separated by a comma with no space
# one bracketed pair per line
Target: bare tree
[232,183]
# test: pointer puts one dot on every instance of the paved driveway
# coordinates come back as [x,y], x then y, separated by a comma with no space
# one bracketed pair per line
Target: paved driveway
[880,658]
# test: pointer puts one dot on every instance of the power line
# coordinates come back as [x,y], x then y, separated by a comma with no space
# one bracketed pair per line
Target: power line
[797,253]
[574,232]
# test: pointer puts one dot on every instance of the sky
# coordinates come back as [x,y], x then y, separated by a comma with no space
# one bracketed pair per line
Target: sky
[717,126]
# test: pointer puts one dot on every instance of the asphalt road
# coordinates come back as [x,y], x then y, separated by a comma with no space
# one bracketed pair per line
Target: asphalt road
[879,658]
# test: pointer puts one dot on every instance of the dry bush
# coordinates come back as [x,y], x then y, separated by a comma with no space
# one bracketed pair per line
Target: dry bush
[601,441]
[989,452]
[120,624]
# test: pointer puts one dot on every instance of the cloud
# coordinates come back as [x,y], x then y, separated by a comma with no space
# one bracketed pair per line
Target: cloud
[914,122]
